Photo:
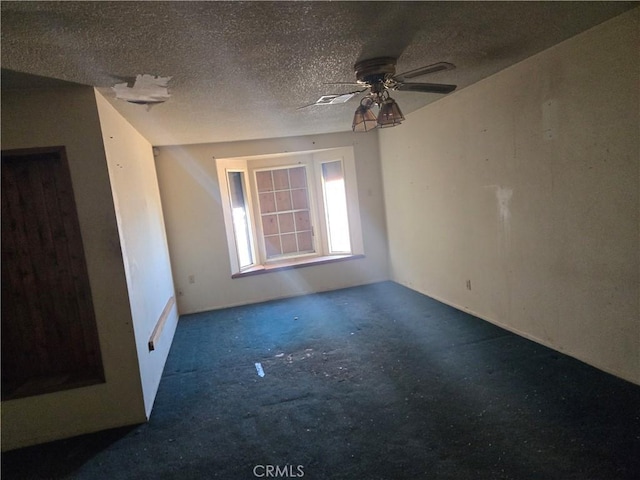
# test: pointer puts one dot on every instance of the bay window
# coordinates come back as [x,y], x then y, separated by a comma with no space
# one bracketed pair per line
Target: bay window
[290,209]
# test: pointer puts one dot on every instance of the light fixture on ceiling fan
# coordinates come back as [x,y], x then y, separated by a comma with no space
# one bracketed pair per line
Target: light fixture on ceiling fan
[389,113]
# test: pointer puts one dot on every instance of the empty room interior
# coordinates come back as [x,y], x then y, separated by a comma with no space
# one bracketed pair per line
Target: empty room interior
[333,240]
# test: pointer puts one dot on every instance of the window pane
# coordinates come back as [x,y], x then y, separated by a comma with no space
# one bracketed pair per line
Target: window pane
[285,220]
[267,203]
[305,242]
[283,200]
[281,179]
[272,245]
[264,181]
[240,217]
[303,220]
[289,244]
[270,224]
[336,207]
[284,208]
[298,177]
[299,199]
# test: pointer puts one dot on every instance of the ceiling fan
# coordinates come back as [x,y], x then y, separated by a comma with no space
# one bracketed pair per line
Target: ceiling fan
[378,76]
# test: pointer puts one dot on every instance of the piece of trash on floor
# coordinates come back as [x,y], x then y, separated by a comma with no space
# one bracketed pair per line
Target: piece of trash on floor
[259,369]
[279,355]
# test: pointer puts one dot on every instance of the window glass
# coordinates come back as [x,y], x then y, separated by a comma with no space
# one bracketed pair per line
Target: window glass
[241,221]
[335,201]
[285,216]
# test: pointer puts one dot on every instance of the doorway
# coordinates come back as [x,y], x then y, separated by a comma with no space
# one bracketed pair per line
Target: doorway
[49,334]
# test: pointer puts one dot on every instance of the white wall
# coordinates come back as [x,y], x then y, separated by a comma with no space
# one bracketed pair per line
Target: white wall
[68,116]
[138,209]
[527,185]
[195,227]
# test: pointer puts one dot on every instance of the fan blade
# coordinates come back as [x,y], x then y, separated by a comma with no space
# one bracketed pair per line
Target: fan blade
[436,67]
[426,87]
[351,84]
[333,99]
[307,105]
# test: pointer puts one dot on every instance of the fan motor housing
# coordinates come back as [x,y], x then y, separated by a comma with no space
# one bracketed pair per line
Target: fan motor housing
[375,70]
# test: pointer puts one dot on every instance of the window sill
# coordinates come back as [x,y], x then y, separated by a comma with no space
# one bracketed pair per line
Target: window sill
[299,263]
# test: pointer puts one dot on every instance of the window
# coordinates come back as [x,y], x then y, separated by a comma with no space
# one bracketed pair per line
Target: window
[290,209]
[240,218]
[285,214]
[335,201]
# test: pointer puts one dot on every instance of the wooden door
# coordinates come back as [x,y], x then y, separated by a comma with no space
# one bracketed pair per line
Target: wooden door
[49,334]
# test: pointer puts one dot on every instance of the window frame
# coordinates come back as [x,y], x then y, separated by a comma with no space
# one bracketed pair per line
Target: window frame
[312,160]
[246,192]
[281,165]
[325,224]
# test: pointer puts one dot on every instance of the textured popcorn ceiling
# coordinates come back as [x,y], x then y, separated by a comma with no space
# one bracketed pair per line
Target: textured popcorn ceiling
[240,70]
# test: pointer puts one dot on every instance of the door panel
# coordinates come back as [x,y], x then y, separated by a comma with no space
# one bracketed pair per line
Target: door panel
[49,334]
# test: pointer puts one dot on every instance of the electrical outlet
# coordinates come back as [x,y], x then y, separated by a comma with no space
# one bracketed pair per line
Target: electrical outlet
[192,279]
